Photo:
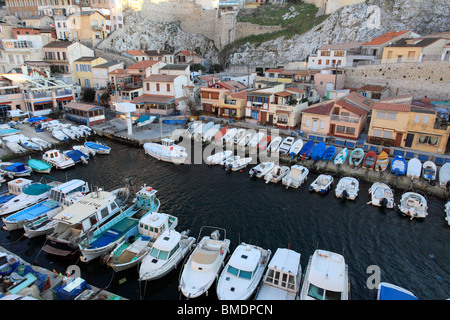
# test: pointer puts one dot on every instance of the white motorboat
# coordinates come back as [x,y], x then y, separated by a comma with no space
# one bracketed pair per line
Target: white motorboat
[322,184]
[57,159]
[198,134]
[129,252]
[229,135]
[261,169]
[70,133]
[75,221]
[413,205]
[219,157]
[282,278]
[167,151]
[43,143]
[15,147]
[83,149]
[229,161]
[211,133]
[429,170]
[80,132]
[87,130]
[240,133]
[246,138]
[326,277]
[444,175]
[34,193]
[447,212]
[30,145]
[277,173]
[204,264]
[239,164]
[15,187]
[243,272]
[285,146]
[15,169]
[59,135]
[254,141]
[347,188]
[295,148]
[381,195]
[389,291]
[275,144]
[190,130]
[414,168]
[167,252]
[297,175]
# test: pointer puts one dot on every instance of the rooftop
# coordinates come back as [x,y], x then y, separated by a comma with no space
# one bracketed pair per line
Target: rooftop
[385,38]
[341,46]
[323,109]
[392,107]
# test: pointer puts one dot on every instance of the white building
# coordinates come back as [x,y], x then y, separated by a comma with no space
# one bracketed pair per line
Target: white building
[337,55]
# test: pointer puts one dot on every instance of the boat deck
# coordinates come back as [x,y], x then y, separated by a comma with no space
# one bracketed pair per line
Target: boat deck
[115,232]
[35,211]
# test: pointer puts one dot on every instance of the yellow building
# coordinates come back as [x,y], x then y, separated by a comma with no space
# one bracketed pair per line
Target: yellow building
[89,27]
[83,70]
[316,118]
[233,105]
[426,131]
[414,50]
[389,123]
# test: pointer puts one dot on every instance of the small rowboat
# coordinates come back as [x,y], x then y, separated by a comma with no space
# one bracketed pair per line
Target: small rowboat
[382,161]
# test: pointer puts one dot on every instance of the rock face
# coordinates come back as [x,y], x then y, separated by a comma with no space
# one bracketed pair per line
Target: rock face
[356,22]
[142,33]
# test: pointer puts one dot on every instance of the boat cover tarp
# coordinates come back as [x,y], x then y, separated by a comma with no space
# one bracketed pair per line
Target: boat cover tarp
[75,155]
[37,189]
[62,294]
[16,167]
[387,293]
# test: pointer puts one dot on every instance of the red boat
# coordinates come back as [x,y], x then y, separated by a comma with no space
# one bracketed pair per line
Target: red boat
[220,133]
[262,145]
[369,160]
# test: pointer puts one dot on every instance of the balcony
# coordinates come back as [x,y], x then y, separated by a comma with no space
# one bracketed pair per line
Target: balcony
[339,118]
[96,27]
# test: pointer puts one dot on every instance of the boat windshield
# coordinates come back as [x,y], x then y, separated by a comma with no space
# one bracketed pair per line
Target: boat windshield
[159,254]
[240,273]
[322,294]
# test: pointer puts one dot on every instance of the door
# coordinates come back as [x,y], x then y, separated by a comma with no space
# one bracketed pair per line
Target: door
[398,139]
[409,140]
[270,119]
[315,125]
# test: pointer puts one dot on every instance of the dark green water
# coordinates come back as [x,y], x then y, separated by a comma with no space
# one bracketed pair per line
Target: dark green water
[412,254]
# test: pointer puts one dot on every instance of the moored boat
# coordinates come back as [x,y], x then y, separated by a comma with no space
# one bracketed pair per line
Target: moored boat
[274,144]
[322,184]
[444,175]
[296,176]
[429,170]
[389,291]
[307,149]
[382,161]
[39,166]
[414,168]
[356,157]
[256,139]
[318,151]
[15,169]
[167,151]
[15,187]
[295,149]
[381,195]
[286,144]
[219,157]
[57,159]
[98,147]
[261,169]
[413,205]
[398,166]
[341,157]
[276,174]
[369,160]
[328,154]
[347,188]
[239,164]
[264,143]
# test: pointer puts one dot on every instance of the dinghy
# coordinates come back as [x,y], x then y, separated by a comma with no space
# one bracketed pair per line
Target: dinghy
[246,138]
[219,157]
[57,159]
[276,174]
[347,188]
[356,157]
[39,166]
[166,151]
[381,195]
[297,175]
[229,161]
[59,135]
[329,153]
[84,150]
[15,147]
[341,156]
[413,205]
[30,145]
[318,151]
[389,291]
[229,135]
[295,149]
[429,170]
[322,184]
[382,161]
[398,166]
[204,263]
[15,169]
[44,144]
[307,149]
[80,132]
[285,146]
[414,168]
[190,130]
[211,133]
[70,133]
[264,143]
[98,147]
[220,134]
[275,144]
[369,160]
[444,175]
[144,120]
[240,133]
[243,272]
[254,141]
[240,164]
[261,169]
[77,156]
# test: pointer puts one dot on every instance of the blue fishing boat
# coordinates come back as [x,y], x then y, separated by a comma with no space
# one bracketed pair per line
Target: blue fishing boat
[98,147]
[398,166]
[389,291]
[105,238]
[57,200]
[318,151]
[39,166]
[15,169]
[328,155]
[308,147]
[77,156]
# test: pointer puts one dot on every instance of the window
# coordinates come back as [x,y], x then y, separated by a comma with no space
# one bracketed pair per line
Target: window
[340,129]
[104,212]
[430,140]
[322,124]
[350,130]
[391,115]
[168,87]
[157,87]
[377,133]
[320,62]
[381,114]
[425,119]
[387,134]
[417,118]
[307,122]
[411,55]
[339,53]
[325,53]
[255,114]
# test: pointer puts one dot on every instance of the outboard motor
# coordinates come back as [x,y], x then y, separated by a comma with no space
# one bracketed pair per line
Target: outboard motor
[345,194]
[383,202]
[228,168]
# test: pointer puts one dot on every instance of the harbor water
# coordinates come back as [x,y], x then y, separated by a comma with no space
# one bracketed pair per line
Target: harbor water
[412,254]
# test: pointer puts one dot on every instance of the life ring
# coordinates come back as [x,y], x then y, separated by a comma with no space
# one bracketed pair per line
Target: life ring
[149,189]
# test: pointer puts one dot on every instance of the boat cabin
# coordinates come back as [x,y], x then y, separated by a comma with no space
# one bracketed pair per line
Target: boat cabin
[146,199]
[17,186]
[152,225]
[167,142]
[284,271]
[166,245]
[244,262]
[53,154]
[90,211]
[68,192]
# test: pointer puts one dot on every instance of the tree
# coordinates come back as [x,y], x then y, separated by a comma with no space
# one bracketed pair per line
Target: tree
[104,99]
[89,95]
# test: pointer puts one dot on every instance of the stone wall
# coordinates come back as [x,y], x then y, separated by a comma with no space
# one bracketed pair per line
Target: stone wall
[245,29]
[419,79]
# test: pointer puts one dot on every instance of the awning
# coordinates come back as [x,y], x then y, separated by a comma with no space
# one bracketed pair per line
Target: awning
[43,102]
[64,99]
